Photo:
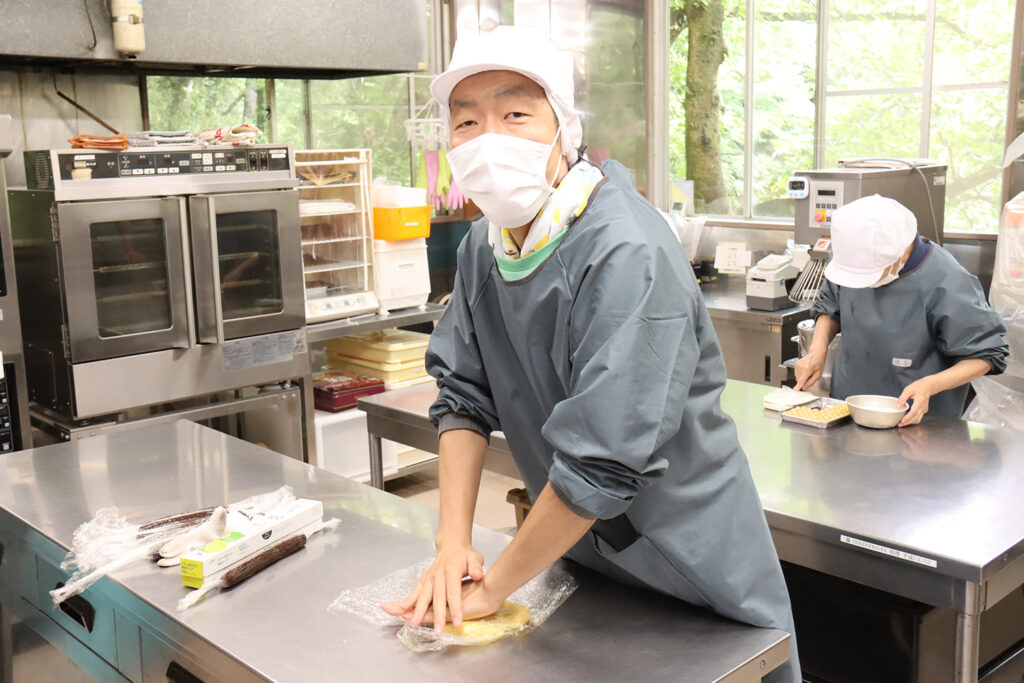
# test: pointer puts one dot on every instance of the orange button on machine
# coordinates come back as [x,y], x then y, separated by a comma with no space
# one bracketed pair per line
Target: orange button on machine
[819,216]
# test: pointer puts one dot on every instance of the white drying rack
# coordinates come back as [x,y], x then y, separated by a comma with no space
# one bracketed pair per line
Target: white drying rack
[426,130]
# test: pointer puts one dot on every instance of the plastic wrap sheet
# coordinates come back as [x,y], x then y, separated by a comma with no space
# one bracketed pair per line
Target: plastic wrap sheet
[542,596]
[1000,399]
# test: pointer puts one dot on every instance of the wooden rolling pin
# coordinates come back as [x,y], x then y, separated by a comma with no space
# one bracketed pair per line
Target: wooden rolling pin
[262,560]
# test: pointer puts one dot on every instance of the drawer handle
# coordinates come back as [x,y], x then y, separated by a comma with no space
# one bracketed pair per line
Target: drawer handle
[176,673]
[79,609]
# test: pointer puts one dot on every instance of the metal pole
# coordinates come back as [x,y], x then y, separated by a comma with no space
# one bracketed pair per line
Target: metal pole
[656,29]
[926,81]
[965,667]
[820,85]
[748,117]
[1015,93]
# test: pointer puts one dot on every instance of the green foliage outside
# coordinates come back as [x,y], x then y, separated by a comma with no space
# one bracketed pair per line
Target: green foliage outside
[196,103]
[365,112]
[354,113]
[871,45]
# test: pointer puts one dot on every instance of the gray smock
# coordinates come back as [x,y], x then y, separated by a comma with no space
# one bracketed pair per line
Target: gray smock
[924,322]
[604,372]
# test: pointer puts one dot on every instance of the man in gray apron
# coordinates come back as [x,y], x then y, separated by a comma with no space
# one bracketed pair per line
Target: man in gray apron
[576,327]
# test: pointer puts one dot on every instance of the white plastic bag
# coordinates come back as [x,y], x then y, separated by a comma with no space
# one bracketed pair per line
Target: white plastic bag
[1000,399]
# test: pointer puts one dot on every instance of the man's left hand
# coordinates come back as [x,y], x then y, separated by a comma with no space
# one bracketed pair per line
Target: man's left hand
[919,392]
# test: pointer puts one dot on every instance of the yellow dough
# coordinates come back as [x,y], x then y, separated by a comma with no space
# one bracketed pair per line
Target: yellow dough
[509,618]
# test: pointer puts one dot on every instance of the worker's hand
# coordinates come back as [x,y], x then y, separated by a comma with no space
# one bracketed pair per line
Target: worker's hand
[478,600]
[919,392]
[809,368]
[440,589]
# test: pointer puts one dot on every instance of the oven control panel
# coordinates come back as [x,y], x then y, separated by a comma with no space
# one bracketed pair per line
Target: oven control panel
[82,164]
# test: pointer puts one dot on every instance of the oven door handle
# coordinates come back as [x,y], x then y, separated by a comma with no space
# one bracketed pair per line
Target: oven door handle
[186,264]
[206,269]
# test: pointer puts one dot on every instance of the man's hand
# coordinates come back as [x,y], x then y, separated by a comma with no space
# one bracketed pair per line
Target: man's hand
[439,592]
[809,368]
[477,598]
[919,392]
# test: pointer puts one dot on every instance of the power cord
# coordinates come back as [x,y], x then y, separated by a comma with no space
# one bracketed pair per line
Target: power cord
[908,164]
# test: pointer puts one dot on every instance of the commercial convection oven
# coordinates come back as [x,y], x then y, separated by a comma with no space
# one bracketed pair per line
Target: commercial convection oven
[156,275]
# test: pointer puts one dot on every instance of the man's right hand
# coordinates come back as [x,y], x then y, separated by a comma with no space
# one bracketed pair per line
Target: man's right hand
[809,368]
[440,587]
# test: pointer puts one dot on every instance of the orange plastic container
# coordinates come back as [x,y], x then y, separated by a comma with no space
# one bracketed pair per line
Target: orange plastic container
[406,223]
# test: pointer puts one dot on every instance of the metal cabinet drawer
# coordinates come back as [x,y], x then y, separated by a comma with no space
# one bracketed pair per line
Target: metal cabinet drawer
[164,663]
[17,566]
[88,617]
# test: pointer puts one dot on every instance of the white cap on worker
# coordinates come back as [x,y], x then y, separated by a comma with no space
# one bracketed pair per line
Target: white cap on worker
[523,50]
[868,236]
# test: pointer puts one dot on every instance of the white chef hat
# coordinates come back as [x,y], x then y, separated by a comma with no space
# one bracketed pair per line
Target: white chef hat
[525,51]
[868,236]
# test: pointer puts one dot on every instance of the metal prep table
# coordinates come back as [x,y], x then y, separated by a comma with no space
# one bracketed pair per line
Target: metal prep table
[931,513]
[275,626]
[754,343]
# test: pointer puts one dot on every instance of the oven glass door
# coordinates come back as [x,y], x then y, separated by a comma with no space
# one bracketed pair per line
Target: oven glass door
[248,263]
[124,277]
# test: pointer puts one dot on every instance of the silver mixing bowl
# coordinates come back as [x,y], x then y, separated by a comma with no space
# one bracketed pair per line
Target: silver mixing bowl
[877,412]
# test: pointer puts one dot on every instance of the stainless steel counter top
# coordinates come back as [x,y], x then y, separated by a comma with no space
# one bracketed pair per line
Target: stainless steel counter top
[276,624]
[946,490]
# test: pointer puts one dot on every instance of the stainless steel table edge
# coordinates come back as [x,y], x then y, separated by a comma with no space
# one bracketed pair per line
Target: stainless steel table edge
[767,661]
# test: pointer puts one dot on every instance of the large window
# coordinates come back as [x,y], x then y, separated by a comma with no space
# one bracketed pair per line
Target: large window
[195,103]
[903,78]
[323,114]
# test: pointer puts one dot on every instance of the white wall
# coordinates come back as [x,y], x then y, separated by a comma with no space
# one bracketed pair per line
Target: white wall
[42,120]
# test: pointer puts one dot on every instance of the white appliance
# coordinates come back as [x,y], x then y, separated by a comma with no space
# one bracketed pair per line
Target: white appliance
[401,273]
[768,282]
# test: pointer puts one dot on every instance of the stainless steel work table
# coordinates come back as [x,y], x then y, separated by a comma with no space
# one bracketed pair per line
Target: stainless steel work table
[754,343]
[931,513]
[276,626]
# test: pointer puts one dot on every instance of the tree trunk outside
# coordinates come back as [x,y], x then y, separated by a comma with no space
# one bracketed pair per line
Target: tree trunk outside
[705,54]
[249,108]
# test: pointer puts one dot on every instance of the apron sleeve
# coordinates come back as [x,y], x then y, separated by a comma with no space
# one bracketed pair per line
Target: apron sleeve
[634,352]
[962,323]
[828,302]
[453,358]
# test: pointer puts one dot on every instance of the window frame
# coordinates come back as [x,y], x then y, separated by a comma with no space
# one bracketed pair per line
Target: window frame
[659,79]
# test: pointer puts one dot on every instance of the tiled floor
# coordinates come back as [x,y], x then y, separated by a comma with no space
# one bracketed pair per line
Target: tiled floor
[492,511]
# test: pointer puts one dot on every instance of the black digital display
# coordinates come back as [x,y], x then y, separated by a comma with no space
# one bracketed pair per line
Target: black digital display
[826,193]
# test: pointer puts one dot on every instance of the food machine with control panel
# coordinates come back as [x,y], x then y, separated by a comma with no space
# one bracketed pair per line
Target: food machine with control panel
[918,185]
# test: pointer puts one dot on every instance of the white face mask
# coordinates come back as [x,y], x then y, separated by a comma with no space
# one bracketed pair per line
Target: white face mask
[504,175]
